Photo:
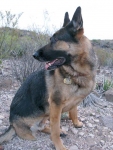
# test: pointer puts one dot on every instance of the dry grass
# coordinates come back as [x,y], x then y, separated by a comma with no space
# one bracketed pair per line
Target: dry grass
[105,57]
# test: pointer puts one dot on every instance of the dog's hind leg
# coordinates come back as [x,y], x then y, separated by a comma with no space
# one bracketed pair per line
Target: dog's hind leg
[23,131]
[74,117]
[40,125]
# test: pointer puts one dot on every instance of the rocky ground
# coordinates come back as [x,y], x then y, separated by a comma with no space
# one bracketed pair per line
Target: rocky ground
[96,133]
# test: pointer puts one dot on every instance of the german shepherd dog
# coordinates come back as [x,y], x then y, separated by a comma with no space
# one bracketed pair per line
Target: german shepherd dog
[68,77]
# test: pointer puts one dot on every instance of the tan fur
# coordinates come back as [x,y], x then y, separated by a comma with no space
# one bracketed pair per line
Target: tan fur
[83,79]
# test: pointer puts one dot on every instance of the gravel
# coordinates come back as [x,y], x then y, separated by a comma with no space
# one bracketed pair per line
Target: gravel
[94,135]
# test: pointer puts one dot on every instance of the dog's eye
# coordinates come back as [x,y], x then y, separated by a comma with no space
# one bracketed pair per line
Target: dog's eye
[53,39]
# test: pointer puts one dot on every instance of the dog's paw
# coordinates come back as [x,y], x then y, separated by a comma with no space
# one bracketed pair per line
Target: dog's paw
[63,133]
[79,124]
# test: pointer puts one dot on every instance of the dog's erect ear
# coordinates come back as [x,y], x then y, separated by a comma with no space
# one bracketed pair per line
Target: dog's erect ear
[66,19]
[75,27]
[77,20]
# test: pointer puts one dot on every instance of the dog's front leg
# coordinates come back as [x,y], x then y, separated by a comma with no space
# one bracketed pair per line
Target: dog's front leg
[55,115]
[73,115]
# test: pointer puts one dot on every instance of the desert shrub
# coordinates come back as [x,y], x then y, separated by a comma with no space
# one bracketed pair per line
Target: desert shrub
[24,66]
[23,63]
[9,43]
[107,84]
[105,58]
[19,45]
[8,23]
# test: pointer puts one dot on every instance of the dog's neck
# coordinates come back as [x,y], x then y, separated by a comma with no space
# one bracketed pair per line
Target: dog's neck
[70,75]
[69,71]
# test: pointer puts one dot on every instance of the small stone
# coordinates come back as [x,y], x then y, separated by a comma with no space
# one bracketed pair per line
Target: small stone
[74,147]
[65,128]
[105,128]
[90,125]
[92,114]
[82,119]
[1,117]
[81,133]
[96,120]
[74,130]
[111,133]
[102,142]
[1,121]
[91,135]
[111,147]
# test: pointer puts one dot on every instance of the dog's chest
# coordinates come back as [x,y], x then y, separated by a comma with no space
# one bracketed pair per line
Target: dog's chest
[63,92]
[68,95]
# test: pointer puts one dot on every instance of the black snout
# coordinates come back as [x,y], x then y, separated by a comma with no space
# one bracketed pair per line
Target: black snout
[36,55]
[39,55]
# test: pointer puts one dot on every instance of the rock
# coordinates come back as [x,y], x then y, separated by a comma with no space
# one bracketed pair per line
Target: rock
[91,135]
[111,147]
[102,142]
[96,120]
[81,133]
[1,117]
[105,128]
[74,131]
[74,147]
[93,114]
[0,121]
[109,95]
[107,121]
[90,125]
[65,128]
[111,133]
[82,119]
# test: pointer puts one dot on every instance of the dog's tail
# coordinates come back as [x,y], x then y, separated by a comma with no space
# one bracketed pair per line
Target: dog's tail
[8,135]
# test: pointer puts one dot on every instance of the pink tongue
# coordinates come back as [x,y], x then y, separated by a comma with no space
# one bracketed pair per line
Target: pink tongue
[46,66]
[49,64]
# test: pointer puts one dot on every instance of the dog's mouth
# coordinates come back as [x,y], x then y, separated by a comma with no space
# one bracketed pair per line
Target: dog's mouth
[52,65]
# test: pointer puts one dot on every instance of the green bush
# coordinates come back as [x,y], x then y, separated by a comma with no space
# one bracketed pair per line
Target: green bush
[8,23]
[107,84]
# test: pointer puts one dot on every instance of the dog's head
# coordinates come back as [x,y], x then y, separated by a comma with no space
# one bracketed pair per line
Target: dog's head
[64,44]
